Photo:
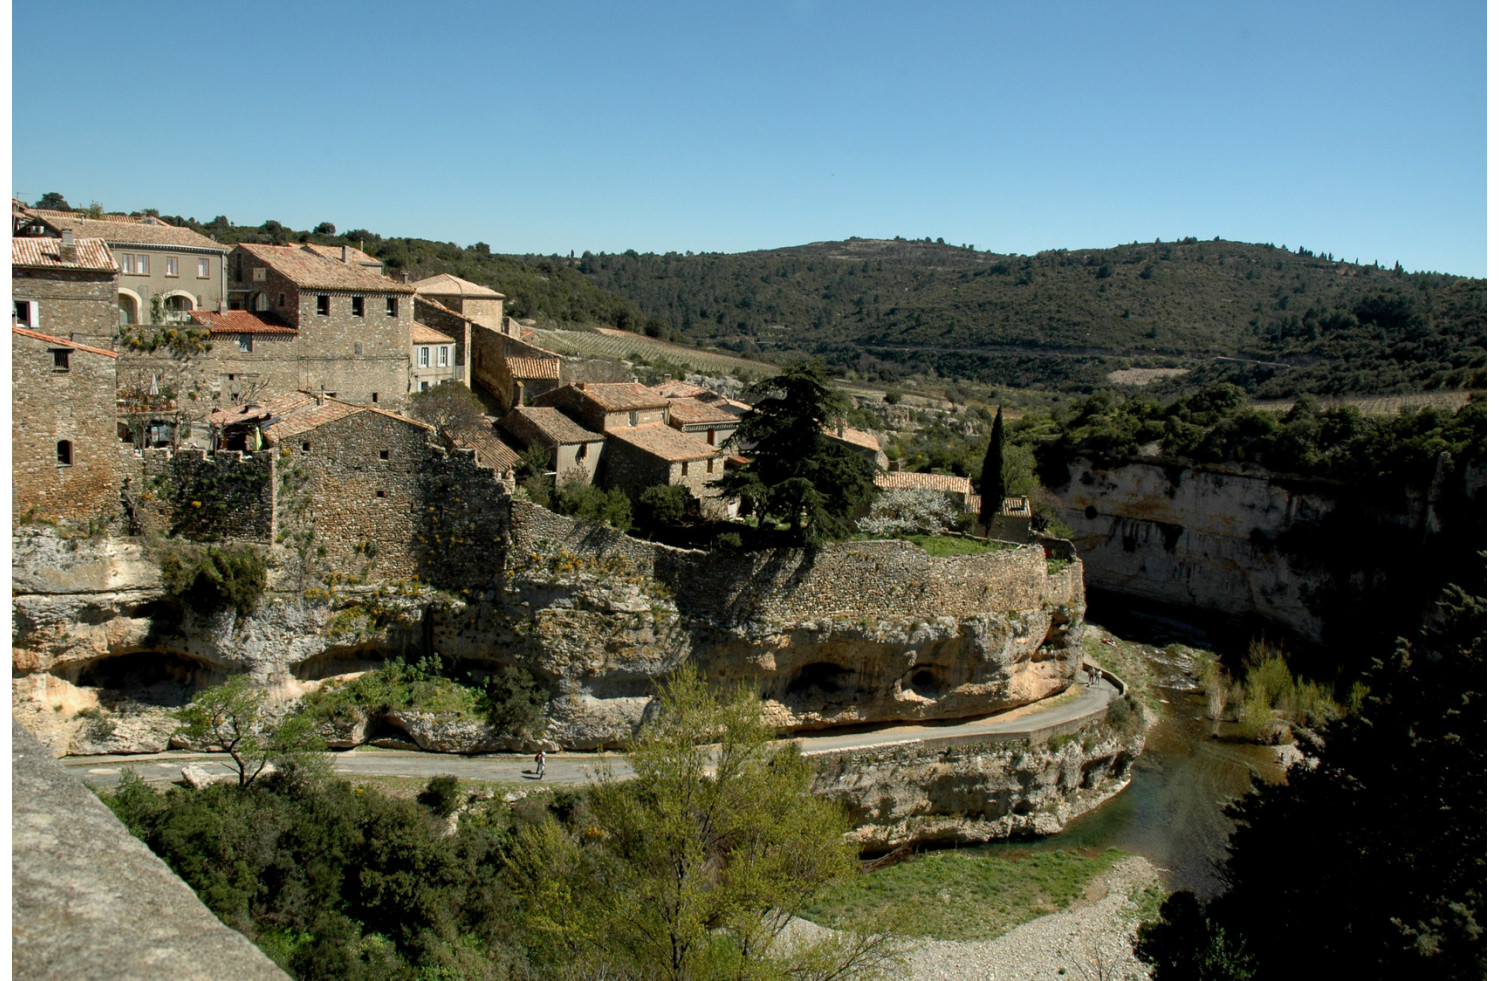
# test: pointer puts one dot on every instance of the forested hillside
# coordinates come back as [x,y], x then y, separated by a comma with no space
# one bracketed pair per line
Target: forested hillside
[1063,319]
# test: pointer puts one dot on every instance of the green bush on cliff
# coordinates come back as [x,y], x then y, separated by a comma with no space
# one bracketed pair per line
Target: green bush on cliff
[210,578]
[510,698]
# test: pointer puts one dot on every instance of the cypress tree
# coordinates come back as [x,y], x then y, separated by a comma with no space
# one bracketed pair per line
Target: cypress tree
[992,474]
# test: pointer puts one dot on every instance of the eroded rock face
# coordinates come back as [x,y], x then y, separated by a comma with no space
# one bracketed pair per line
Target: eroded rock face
[910,794]
[868,633]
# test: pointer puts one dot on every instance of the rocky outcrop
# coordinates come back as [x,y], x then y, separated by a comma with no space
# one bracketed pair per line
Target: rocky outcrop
[1313,557]
[917,793]
[862,633]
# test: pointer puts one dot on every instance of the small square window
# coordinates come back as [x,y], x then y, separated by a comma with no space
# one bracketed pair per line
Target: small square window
[258,274]
[380,493]
[202,268]
[385,454]
[710,466]
[322,304]
[246,344]
[424,386]
[359,347]
[358,306]
[60,359]
[392,306]
[306,447]
[171,265]
[374,396]
[684,468]
[64,453]
[23,313]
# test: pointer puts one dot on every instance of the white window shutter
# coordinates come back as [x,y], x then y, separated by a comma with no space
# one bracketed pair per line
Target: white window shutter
[35,315]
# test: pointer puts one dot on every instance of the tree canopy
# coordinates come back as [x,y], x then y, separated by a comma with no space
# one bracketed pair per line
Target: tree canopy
[1370,864]
[797,472]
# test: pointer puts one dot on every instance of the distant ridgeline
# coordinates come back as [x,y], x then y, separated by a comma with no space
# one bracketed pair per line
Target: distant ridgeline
[1064,319]
[1276,322]
[1340,526]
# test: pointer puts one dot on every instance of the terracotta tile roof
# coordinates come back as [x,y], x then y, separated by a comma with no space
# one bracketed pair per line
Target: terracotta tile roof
[946,483]
[421,301]
[240,322]
[856,437]
[46,253]
[672,388]
[691,412]
[489,449]
[313,416]
[255,411]
[37,335]
[549,425]
[422,334]
[124,230]
[524,368]
[308,270]
[609,396]
[336,253]
[665,443]
[445,284]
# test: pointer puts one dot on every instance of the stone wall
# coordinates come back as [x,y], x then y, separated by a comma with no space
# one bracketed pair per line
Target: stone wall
[76,305]
[201,495]
[51,405]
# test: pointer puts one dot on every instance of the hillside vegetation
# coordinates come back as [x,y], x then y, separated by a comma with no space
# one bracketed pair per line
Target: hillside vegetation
[1065,319]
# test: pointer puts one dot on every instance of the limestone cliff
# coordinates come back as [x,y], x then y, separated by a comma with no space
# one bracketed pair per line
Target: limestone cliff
[1312,557]
[863,632]
[982,790]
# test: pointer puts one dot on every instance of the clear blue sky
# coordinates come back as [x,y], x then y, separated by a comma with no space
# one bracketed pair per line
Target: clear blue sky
[1356,128]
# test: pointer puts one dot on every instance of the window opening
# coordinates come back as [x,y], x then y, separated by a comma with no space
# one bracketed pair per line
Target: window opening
[357,307]
[202,268]
[246,345]
[60,358]
[322,304]
[392,306]
[443,357]
[171,265]
[424,357]
[65,452]
[385,454]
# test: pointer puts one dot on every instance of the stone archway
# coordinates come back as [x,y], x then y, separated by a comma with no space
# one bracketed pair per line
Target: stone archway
[130,306]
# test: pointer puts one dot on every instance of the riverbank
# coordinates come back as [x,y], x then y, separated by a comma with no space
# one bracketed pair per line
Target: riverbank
[1093,938]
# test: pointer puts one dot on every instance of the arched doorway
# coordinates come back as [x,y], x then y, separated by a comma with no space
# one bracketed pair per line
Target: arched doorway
[130,307]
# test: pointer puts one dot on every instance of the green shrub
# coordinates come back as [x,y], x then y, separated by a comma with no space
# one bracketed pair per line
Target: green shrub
[513,701]
[728,541]
[441,794]
[663,504]
[586,502]
[210,578]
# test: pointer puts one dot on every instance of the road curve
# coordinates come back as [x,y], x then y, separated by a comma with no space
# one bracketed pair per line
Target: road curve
[1077,703]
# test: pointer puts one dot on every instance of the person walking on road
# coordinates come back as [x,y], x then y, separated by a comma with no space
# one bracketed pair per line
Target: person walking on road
[541,763]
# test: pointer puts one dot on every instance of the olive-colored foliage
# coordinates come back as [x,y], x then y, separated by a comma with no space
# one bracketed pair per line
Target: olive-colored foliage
[508,697]
[797,473]
[690,870]
[337,883]
[210,578]
[1374,859]
[448,405]
[663,505]
[236,716]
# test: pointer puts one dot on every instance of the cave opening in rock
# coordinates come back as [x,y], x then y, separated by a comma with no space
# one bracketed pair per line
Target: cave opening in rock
[332,664]
[818,685]
[926,680]
[157,678]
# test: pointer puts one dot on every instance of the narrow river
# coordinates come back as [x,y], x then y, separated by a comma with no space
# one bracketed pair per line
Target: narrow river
[1172,812]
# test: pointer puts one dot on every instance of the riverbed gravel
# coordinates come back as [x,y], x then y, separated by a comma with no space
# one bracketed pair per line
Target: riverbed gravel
[1092,939]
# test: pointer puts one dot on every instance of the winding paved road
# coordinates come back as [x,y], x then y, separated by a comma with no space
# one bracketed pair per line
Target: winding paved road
[1062,710]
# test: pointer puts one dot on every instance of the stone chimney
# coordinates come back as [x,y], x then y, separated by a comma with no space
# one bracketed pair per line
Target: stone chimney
[345,255]
[68,251]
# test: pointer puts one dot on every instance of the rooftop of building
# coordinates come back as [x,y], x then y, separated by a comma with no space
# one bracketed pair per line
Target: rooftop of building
[46,253]
[240,322]
[312,416]
[523,369]
[665,443]
[48,338]
[422,334]
[608,396]
[674,388]
[856,437]
[257,410]
[692,412]
[447,284]
[489,449]
[550,424]
[904,480]
[310,270]
[344,253]
[126,230]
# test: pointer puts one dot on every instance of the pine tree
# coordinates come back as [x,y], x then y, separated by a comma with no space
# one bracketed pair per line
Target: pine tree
[992,474]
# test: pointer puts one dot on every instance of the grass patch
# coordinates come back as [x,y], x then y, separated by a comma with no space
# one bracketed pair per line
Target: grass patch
[953,895]
[943,546]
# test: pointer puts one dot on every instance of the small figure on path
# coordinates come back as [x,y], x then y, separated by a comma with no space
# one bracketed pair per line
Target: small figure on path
[541,763]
